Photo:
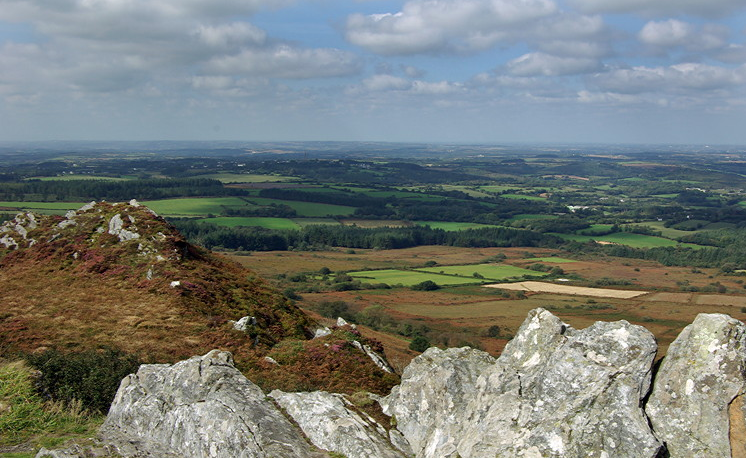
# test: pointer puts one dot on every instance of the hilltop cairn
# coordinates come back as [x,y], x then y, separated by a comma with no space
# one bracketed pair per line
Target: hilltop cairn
[554,392]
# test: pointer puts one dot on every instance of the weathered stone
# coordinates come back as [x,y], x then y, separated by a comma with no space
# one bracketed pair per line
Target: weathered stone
[555,392]
[321,332]
[201,407]
[331,423]
[699,379]
[377,359]
[116,227]
[244,323]
[429,407]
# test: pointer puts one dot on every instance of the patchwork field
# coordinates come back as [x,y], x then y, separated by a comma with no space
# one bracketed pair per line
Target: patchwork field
[246,178]
[195,206]
[408,277]
[629,239]
[266,222]
[451,226]
[487,271]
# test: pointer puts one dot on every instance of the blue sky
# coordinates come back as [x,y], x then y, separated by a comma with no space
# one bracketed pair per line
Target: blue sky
[616,71]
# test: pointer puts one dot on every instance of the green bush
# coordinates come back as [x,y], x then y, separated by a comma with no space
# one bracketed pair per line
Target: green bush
[427,285]
[419,343]
[91,377]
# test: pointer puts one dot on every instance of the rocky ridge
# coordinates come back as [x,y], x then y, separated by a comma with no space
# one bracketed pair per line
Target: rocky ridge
[555,392]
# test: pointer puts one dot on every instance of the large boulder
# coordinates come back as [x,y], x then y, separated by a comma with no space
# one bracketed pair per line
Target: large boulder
[696,406]
[555,392]
[332,423]
[429,407]
[201,407]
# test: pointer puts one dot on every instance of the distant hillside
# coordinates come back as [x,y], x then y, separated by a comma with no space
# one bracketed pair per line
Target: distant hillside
[118,275]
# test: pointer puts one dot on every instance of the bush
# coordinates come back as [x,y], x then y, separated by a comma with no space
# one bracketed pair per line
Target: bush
[419,343]
[427,285]
[91,377]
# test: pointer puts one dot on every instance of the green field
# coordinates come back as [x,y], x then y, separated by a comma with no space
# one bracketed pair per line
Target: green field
[408,278]
[496,188]
[551,259]
[58,206]
[488,271]
[269,223]
[197,206]
[629,239]
[451,226]
[521,196]
[246,178]
[77,178]
[309,209]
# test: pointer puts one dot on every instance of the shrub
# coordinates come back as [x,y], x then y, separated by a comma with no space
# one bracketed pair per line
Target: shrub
[91,377]
[419,343]
[427,285]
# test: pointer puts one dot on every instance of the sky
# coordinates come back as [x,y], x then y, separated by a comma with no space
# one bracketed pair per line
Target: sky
[462,71]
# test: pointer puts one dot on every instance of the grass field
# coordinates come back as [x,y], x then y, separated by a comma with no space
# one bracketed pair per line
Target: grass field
[408,278]
[246,178]
[451,226]
[77,178]
[199,206]
[522,196]
[629,239]
[60,206]
[488,271]
[269,223]
[308,209]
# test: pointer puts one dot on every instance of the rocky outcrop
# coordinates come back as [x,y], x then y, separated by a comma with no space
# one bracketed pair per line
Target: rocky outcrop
[696,406]
[201,407]
[554,392]
[331,423]
[429,407]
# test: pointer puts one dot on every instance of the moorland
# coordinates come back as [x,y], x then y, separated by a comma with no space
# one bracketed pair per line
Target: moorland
[401,238]
[420,245]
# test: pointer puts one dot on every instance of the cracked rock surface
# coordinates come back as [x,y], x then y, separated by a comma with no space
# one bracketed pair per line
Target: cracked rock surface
[201,407]
[697,401]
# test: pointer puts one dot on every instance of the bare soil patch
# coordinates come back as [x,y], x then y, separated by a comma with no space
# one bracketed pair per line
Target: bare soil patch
[542,287]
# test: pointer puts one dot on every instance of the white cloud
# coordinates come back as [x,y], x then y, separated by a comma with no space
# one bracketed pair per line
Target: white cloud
[675,33]
[386,83]
[433,26]
[285,61]
[681,77]
[707,8]
[230,35]
[541,64]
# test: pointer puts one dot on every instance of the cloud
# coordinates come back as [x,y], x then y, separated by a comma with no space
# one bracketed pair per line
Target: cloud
[434,26]
[285,61]
[681,77]
[675,33]
[706,8]
[540,64]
